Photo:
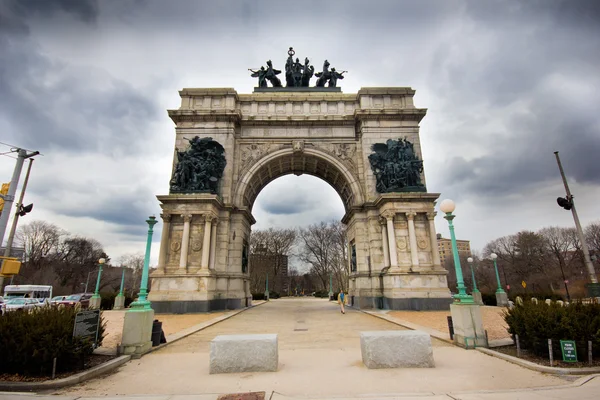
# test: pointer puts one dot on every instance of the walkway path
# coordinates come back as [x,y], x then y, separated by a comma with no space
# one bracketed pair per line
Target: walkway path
[319,355]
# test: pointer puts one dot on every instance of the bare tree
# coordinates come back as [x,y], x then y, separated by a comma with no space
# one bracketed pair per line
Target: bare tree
[77,257]
[592,237]
[323,247]
[135,262]
[41,241]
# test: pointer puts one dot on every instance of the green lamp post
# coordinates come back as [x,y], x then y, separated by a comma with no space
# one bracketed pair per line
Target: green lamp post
[95,300]
[470,261]
[267,288]
[142,302]
[494,256]
[447,207]
[330,286]
[501,296]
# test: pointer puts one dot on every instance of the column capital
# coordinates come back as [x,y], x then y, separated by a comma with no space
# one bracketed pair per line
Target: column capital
[431,215]
[210,218]
[382,220]
[187,217]
[388,215]
[166,217]
[410,215]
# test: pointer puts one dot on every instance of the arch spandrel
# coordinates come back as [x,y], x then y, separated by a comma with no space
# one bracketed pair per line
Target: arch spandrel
[309,161]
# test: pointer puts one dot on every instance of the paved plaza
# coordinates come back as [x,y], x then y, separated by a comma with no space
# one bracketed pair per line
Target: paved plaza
[319,355]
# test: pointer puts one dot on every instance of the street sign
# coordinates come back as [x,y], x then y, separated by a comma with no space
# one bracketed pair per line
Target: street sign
[87,324]
[569,351]
[524,284]
[593,289]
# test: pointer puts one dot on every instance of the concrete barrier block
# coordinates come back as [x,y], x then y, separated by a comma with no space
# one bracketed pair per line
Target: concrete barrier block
[244,353]
[396,349]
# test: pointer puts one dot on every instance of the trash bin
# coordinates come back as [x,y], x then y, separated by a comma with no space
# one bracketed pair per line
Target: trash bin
[156,332]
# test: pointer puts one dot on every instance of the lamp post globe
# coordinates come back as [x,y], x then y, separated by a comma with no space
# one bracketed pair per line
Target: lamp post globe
[447,206]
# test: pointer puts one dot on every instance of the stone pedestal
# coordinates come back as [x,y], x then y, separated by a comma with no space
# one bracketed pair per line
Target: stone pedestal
[468,325]
[95,303]
[396,349]
[502,299]
[244,353]
[477,298]
[119,302]
[137,332]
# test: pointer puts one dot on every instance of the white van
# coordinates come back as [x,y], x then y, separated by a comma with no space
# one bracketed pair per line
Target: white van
[42,293]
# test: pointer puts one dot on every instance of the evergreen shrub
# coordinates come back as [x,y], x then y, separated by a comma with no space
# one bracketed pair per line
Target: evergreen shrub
[29,341]
[536,323]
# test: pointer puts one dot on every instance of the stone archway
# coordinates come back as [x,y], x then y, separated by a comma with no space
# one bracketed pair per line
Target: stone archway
[340,138]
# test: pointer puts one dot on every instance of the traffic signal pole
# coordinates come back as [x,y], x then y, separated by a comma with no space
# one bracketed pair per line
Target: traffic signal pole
[584,247]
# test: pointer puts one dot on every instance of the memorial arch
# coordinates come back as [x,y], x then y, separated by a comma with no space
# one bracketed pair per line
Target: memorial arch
[365,145]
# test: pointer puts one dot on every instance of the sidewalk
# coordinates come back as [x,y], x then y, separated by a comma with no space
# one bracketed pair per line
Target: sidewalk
[587,388]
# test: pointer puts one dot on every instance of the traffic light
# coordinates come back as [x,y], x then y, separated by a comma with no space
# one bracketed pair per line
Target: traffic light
[564,203]
[25,210]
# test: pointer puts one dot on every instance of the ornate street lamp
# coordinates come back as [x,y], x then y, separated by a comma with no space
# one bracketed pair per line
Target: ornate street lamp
[447,207]
[470,261]
[142,302]
[494,256]
[95,300]
[267,288]
[476,293]
[501,296]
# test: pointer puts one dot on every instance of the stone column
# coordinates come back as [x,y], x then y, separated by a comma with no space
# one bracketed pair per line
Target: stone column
[164,241]
[389,216]
[206,244]
[185,240]
[412,237]
[435,252]
[385,242]
[213,244]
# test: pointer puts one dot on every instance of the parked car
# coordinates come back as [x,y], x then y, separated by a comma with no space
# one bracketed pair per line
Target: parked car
[20,303]
[83,299]
[57,299]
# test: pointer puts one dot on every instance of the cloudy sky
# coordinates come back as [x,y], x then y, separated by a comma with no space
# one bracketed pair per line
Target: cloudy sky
[506,83]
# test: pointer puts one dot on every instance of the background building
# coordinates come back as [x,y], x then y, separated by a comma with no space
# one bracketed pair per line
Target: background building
[276,265]
[445,248]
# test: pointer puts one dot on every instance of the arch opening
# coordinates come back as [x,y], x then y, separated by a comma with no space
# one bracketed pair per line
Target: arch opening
[309,162]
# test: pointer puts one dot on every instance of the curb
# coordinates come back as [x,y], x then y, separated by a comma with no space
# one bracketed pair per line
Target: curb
[197,328]
[540,368]
[432,332]
[108,366]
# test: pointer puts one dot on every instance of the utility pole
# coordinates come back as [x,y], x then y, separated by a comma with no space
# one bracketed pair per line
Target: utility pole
[9,199]
[584,247]
[11,235]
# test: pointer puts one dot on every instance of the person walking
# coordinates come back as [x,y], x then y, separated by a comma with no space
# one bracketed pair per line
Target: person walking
[342,301]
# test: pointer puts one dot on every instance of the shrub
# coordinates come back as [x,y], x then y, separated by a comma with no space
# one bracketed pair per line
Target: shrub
[29,341]
[536,323]
[321,293]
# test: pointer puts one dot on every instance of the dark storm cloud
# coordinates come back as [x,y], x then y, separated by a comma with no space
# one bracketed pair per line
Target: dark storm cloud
[288,202]
[532,72]
[53,105]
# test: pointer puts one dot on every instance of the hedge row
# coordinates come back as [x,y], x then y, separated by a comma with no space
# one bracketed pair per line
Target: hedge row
[536,323]
[29,341]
